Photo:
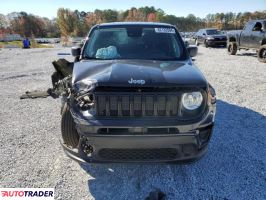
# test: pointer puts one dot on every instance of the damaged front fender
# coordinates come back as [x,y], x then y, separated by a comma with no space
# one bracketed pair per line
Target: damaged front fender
[62,85]
[61,81]
[61,78]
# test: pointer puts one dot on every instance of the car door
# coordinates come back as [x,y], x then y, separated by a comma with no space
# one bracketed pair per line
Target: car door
[256,35]
[245,37]
[204,35]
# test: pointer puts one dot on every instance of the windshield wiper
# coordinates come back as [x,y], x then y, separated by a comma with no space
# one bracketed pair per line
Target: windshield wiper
[94,58]
[164,59]
[90,58]
[159,59]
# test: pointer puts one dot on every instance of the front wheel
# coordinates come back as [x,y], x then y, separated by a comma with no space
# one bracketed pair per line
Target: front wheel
[262,53]
[68,128]
[232,48]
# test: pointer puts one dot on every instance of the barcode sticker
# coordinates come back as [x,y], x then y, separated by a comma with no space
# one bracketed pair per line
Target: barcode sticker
[165,30]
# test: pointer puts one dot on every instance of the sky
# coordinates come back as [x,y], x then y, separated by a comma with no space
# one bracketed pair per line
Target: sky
[200,8]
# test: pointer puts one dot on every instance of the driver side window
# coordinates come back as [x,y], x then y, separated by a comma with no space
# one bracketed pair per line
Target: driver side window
[257,27]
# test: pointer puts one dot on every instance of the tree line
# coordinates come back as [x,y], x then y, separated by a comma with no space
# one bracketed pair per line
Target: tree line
[28,25]
[77,23]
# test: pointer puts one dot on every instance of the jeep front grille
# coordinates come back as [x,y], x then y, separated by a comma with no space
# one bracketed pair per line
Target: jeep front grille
[139,104]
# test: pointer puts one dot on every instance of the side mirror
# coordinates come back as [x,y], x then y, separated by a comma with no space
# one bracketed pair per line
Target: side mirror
[192,50]
[75,51]
[204,34]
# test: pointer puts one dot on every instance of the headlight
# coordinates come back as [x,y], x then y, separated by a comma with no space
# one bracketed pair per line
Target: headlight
[192,101]
[210,38]
[82,93]
[84,86]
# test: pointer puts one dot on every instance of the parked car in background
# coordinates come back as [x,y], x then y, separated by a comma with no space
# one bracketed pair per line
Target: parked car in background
[253,36]
[210,37]
[10,37]
[188,38]
[47,40]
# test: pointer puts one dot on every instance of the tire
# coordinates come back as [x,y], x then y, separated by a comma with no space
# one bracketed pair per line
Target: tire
[68,128]
[206,44]
[232,48]
[262,53]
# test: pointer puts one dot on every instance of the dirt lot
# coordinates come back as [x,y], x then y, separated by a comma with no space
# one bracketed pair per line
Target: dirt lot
[234,167]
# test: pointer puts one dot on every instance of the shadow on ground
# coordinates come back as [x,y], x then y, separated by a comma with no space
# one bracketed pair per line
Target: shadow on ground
[233,168]
[247,54]
[216,47]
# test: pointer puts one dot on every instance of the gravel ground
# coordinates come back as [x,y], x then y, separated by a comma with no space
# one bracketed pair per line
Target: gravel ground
[233,168]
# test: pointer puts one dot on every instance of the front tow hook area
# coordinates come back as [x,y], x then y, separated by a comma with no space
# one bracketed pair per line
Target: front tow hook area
[86,147]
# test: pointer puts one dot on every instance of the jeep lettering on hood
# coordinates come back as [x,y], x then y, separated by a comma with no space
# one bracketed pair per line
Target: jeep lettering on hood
[132,81]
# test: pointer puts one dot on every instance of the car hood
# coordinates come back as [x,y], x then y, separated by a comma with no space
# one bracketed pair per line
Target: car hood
[139,73]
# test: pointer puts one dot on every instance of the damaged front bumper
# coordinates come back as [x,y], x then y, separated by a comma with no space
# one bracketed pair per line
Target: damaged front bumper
[126,148]
[140,139]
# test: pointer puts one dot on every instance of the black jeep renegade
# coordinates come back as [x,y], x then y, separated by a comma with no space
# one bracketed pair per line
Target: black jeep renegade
[135,95]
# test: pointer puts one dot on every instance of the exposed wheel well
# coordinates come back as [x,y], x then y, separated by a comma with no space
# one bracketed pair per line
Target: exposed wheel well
[263,41]
[232,39]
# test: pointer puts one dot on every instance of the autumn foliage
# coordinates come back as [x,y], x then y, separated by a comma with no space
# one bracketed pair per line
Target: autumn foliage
[77,23]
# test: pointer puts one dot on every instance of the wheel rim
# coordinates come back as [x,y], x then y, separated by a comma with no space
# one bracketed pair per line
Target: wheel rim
[230,48]
[263,54]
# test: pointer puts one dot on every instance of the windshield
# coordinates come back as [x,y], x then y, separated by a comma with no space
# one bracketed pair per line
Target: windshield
[213,32]
[134,43]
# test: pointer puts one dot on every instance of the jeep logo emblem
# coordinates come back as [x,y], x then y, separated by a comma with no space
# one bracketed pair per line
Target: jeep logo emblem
[132,81]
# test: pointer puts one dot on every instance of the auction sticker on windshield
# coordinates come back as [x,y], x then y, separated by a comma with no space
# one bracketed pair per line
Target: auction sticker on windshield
[165,30]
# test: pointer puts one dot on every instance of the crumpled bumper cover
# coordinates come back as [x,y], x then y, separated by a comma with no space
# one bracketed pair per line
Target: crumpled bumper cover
[141,148]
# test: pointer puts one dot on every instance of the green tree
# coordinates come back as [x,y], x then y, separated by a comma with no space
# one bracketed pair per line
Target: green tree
[66,20]
[109,15]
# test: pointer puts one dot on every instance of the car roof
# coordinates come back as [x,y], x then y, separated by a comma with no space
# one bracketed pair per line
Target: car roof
[129,24]
[258,20]
[120,24]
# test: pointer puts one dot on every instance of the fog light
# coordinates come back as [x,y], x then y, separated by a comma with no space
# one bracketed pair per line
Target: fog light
[87,149]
